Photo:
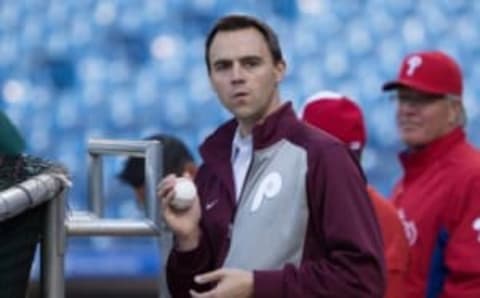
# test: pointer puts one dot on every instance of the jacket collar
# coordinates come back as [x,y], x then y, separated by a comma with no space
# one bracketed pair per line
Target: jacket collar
[218,146]
[415,161]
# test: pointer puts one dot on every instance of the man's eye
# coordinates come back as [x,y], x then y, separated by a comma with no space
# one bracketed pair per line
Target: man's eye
[251,63]
[221,66]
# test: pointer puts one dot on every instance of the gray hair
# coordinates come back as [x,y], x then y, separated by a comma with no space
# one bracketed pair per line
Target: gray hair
[462,117]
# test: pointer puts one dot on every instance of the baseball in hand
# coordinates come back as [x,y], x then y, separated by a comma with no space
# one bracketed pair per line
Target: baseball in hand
[185,193]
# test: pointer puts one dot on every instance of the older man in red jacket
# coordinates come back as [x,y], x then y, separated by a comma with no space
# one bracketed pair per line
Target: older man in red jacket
[438,195]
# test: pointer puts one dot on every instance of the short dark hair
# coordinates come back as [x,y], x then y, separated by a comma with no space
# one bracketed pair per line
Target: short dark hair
[237,22]
[175,156]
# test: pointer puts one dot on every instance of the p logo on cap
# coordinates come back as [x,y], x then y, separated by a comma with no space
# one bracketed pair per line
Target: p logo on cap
[413,62]
[430,72]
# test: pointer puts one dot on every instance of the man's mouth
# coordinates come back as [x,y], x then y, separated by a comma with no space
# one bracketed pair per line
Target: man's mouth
[409,125]
[240,94]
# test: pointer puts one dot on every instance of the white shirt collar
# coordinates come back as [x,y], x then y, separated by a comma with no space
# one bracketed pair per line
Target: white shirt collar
[241,144]
[241,158]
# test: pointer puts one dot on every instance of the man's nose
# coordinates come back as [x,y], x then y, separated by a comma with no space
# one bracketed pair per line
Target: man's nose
[407,106]
[238,74]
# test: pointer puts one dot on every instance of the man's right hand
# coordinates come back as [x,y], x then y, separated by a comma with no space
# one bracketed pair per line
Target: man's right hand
[183,223]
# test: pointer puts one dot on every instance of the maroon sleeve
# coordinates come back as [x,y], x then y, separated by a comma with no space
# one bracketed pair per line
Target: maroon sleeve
[183,266]
[343,254]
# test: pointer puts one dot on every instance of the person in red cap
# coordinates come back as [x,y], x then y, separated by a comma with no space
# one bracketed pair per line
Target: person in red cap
[341,117]
[438,195]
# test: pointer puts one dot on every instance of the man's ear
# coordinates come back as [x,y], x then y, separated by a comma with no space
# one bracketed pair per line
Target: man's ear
[140,194]
[455,112]
[191,169]
[280,69]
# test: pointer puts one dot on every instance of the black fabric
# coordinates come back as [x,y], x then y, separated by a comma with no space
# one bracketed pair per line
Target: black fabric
[19,235]
[11,142]
[175,156]
[18,240]
[18,168]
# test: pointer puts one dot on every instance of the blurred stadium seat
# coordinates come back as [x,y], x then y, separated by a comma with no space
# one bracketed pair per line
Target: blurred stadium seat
[71,70]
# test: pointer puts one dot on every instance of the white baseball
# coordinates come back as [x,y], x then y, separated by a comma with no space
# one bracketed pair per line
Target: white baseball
[185,193]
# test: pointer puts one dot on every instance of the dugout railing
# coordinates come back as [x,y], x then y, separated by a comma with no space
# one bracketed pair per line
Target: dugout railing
[59,224]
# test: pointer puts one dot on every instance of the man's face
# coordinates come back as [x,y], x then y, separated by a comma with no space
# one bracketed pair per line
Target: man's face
[422,118]
[244,75]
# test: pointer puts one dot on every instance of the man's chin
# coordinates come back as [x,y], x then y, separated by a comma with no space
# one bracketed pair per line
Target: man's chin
[413,142]
[243,114]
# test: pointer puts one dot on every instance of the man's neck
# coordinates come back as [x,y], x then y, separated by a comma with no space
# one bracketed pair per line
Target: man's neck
[246,125]
[244,129]
[419,147]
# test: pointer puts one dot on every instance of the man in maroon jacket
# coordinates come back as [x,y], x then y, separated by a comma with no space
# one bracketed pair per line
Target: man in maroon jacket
[282,209]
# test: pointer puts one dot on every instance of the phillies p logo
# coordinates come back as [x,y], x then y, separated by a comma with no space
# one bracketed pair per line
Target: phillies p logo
[413,63]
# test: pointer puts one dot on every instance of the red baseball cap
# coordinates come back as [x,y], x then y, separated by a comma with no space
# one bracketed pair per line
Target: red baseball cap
[431,72]
[338,115]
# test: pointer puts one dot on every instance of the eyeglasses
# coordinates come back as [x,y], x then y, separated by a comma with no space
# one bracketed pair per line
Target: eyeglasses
[416,99]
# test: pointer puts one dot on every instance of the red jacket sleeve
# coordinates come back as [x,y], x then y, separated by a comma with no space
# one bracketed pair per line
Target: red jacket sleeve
[462,255]
[395,244]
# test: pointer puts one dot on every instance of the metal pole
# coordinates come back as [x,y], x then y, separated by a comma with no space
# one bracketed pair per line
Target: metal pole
[110,227]
[151,150]
[95,183]
[57,228]
[53,249]
[153,174]
[28,194]
[123,147]
[165,242]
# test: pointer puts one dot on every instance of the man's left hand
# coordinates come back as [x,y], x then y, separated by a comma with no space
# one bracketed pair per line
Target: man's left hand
[230,283]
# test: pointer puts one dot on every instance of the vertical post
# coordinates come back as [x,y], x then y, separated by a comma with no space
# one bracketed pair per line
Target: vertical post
[53,249]
[153,173]
[165,245]
[53,244]
[95,183]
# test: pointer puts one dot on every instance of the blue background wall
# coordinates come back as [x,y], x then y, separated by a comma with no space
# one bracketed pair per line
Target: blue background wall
[74,70]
